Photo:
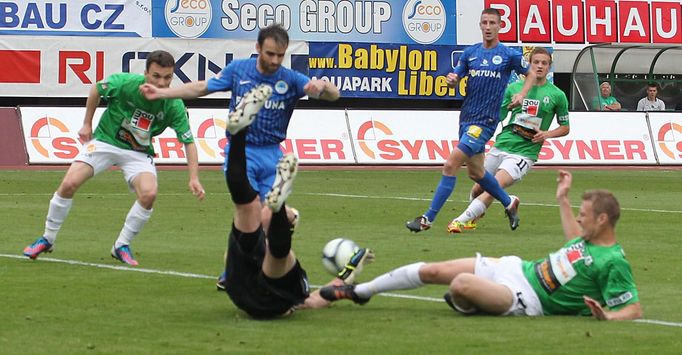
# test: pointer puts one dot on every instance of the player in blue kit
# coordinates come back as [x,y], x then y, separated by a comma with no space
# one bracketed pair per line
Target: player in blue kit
[488,66]
[270,126]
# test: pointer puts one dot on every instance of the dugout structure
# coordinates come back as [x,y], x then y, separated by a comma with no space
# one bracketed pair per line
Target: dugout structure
[628,68]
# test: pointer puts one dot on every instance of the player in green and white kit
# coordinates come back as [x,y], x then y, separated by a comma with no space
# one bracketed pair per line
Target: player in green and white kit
[123,138]
[588,275]
[517,147]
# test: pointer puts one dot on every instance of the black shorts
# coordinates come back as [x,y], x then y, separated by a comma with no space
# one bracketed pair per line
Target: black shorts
[252,291]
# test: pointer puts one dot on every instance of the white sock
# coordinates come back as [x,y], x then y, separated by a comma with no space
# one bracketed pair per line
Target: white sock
[403,278]
[136,219]
[475,209]
[56,214]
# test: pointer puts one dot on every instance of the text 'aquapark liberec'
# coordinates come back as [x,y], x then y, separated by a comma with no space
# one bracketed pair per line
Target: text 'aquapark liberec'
[417,71]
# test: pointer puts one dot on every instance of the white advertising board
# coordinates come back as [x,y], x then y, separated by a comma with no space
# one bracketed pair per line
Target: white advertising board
[378,137]
[68,66]
[124,18]
[316,136]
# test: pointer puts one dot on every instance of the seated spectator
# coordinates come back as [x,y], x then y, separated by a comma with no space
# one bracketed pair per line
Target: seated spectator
[605,102]
[651,102]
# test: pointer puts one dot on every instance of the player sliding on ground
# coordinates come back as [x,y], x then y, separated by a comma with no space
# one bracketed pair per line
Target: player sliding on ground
[263,276]
[589,275]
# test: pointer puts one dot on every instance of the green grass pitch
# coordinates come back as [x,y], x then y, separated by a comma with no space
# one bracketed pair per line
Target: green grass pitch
[60,308]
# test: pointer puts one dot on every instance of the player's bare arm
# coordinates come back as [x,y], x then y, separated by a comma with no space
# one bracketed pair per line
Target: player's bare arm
[560,131]
[85,133]
[517,99]
[451,80]
[568,222]
[186,91]
[322,90]
[629,312]
[193,167]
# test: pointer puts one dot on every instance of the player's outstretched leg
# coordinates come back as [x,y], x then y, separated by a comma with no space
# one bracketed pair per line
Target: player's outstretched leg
[287,168]
[247,109]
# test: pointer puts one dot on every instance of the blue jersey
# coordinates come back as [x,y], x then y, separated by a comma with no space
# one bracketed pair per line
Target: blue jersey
[488,70]
[270,126]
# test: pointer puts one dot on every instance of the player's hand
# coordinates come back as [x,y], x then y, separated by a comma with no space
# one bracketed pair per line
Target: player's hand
[197,189]
[516,100]
[451,79]
[540,137]
[563,184]
[597,310]
[315,88]
[85,133]
[150,92]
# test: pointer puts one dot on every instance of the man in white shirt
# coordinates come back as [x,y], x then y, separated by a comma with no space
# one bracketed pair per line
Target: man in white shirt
[651,102]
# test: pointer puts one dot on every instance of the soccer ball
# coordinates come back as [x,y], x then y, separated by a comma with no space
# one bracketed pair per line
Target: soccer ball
[337,253]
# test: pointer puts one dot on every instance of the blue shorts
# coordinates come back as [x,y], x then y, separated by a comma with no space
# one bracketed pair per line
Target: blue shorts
[261,166]
[473,138]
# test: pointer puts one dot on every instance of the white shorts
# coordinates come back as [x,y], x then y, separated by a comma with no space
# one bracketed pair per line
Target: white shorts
[516,165]
[507,271]
[101,156]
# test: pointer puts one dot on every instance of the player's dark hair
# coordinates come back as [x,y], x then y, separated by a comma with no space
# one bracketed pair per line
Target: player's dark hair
[603,201]
[162,58]
[653,85]
[276,32]
[492,11]
[540,50]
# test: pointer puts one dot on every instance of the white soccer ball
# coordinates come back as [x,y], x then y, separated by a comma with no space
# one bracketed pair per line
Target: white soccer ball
[337,253]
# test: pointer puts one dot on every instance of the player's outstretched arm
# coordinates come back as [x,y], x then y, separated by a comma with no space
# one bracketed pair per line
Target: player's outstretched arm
[186,91]
[629,312]
[193,167]
[568,221]
[517,99]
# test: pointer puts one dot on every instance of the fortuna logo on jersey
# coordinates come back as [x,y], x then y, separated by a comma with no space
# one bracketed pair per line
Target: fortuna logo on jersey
[485,73]
[142,120]
[531,107]
[269,104]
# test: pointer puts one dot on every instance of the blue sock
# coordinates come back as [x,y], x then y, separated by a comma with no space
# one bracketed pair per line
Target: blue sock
[443,191]
[490,185]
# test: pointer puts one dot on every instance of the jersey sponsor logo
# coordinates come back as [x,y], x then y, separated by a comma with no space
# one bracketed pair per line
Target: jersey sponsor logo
[545,100]
[142,120]
[424,20]
[485,63]
[485,73]
[497,60]
[188,18]
[544,273]
[281,87]
[531,106]
[619,299]
[474,131]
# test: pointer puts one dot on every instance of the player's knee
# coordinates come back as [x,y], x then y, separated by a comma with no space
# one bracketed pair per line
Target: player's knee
[461,284]
[146,198]
[68,188]
[476,175]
